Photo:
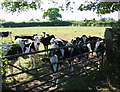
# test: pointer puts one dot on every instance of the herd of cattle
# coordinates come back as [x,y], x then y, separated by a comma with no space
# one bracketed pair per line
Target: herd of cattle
[26,44]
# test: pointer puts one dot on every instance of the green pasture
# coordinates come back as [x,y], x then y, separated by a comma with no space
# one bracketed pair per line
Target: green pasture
[63,32]
[66,33]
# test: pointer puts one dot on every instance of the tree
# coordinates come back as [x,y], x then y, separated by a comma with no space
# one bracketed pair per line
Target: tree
[96,5]
[20,5]
[100,7]
[93,20]
[52,13]
[103,19]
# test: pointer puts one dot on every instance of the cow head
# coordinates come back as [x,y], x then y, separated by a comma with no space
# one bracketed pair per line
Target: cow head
[75,40]
[37,40]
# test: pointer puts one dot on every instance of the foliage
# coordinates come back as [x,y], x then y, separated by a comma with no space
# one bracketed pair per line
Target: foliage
[95,5]
[103,22]
[20,5]
[4,67]
[116,36]
[100,7]
[2,20]
[32,23]
[53,14]
[4,71]
[35,23]
[106,79]
[24,5]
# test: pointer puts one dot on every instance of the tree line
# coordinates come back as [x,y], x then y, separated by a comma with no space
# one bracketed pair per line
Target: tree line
[103,22]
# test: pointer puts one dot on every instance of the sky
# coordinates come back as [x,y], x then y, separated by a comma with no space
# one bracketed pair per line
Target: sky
[66,15]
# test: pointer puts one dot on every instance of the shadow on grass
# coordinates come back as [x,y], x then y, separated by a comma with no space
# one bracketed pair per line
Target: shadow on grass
[106,79]
[28,76]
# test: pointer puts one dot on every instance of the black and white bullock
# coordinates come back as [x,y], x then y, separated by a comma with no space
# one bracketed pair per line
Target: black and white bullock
[54,56]
[78,49]
[93,43]
[24,46]
[6,34]
[96,43]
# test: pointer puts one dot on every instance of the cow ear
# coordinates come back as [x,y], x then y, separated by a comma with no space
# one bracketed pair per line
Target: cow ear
[80,38]
[72,41]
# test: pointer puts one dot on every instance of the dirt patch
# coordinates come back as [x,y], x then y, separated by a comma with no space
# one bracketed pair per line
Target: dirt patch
[63,37]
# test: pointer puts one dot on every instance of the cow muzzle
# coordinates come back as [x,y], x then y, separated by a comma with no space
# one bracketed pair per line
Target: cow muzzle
[38,43]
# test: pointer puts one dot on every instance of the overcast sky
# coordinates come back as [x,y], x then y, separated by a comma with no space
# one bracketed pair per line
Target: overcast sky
[66,15]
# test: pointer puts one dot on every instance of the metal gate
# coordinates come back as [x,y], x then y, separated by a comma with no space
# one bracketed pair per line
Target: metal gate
[41,76]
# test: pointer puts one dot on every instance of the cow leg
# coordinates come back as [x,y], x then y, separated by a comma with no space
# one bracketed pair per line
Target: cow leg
[86,63]
[57,82]
[31,61]
[54,66]
[70,64]
[55,69]
[12,63]
[57,75]
[34,60]
[45,51]
[81,63]
[19,63]
[81,70]
[11,37]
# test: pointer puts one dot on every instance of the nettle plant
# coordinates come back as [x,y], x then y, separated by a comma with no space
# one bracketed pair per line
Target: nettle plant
[4,68]
[4,65]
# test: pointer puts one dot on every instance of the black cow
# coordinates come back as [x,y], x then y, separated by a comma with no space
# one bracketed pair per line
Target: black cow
[14,49]
[46,41]
[6,34]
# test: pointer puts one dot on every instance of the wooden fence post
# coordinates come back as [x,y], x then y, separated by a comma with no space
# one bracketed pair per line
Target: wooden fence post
[0,77]
[109,44]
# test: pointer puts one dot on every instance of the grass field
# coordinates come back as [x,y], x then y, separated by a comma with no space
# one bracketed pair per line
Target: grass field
[66,33]
[63,32]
